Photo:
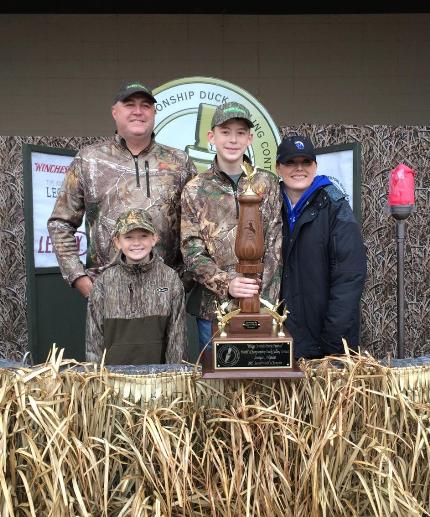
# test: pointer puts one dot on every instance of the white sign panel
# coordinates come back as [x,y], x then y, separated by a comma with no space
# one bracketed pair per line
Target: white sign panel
[48,171]
[338,166]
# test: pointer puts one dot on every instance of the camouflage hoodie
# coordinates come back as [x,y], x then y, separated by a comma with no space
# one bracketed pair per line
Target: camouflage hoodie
[103,181]
[136,312]
[210,214]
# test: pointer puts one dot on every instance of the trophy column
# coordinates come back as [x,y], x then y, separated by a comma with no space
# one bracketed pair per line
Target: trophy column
[249,246]
[249,249]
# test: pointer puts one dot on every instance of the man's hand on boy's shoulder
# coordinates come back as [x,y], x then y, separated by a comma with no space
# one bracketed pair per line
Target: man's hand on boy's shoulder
[242,287]
[84,285]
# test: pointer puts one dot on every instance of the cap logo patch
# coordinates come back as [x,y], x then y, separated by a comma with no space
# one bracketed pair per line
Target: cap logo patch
[233,110]
[162,289]
[136,85]
[299,145]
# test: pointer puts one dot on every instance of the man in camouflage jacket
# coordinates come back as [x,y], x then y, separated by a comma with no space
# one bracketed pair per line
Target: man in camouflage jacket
[210,214]
[131,170]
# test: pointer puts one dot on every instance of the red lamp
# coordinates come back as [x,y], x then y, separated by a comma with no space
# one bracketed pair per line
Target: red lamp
[401,188]
[401,199]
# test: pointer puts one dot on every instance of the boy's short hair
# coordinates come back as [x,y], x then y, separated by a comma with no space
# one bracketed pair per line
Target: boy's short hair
[231,110]
[135,218]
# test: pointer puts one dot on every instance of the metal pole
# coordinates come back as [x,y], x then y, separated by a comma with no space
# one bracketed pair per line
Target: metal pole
[401,213]
[400,227]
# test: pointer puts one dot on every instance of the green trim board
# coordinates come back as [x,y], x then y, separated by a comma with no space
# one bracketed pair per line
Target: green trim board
[55,312]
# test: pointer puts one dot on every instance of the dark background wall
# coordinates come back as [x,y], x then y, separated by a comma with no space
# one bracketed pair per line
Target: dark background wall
[59,71]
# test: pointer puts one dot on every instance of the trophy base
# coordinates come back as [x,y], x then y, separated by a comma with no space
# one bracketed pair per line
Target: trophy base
[250,349]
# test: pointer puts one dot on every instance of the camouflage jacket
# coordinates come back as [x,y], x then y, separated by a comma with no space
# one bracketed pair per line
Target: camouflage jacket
[210,214]
[137,312]
[103,181]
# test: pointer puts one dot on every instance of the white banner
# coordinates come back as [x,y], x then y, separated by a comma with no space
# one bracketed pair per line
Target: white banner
[48,171]
[338,166]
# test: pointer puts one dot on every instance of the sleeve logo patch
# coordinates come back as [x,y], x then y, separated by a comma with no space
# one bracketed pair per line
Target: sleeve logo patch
[162,289]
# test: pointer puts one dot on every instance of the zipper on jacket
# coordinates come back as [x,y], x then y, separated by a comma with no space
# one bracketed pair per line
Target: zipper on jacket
[130,288]
[136,166]
[233,184]
[148,192]
[234,187]
[290,237]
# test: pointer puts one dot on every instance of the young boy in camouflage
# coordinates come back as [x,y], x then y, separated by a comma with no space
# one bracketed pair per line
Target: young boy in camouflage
[209,217]
[136,309]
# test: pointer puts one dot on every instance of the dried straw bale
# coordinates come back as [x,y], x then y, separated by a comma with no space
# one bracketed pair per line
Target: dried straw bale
[351,438]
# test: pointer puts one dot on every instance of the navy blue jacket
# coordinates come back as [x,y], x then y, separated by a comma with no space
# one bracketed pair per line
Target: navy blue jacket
[324,273]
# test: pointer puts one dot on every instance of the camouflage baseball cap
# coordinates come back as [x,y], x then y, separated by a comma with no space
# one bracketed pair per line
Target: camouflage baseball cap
[131,87]
[133,219]
[231,110]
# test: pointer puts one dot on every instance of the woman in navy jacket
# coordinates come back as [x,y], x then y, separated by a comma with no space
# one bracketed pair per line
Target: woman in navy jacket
[323,253]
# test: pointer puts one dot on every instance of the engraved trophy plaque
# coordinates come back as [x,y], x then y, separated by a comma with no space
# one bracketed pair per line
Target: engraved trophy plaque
[250,341]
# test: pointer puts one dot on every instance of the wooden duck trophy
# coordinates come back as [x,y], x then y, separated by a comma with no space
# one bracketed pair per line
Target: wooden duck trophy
[250,341]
